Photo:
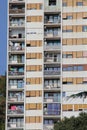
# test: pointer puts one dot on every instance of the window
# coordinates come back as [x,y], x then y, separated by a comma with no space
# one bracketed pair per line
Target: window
[52,2]
[79,3]
[84,28]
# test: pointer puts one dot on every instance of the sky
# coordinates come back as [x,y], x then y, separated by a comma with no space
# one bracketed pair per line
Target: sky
[3,36]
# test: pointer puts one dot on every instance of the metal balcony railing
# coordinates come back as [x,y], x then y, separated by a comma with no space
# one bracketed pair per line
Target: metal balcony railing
[52,9]
[51,99]
[52,47]
[52,87]
[51,72]
[15,124]
[16,1]
[11,73]
[18,61]
[19,111]
[16,36]
[16,24]
[16,11]
[52,21]
[16,98]
[51,35]
[52,112]
[18,48]
[51,59]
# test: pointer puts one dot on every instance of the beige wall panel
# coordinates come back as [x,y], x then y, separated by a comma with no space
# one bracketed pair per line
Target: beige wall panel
[69,42]
[79,28]
[79,41]
[79,54]
[74,41]
[79,15]
[74,55]
[74,16]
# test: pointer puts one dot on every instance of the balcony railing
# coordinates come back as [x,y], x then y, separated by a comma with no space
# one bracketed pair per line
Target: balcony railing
[11,73]
[17,24]
[15,124]
[52,9]
[19,61]
[15,98]
[16,1]
[52,112]
[19,111]
[52,35]
[51,72]
[52,87]
[48,126]
[16,36]
[52,21]
[51,59]
[51,99]
[16,11]
[18,48]
[52,47]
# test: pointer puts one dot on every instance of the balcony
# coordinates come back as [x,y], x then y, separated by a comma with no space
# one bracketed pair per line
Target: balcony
[52,60]
[52,72]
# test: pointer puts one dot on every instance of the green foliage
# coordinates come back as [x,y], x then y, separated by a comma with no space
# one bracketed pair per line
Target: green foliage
[2,101]
[73,123]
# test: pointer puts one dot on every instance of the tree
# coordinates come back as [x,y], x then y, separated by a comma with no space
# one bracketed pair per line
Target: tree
[2,101]
[73,123]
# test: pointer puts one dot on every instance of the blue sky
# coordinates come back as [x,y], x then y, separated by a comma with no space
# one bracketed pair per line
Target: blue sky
[3,35]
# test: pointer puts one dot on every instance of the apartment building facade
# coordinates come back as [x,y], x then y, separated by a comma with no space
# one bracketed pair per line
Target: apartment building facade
[47,62]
